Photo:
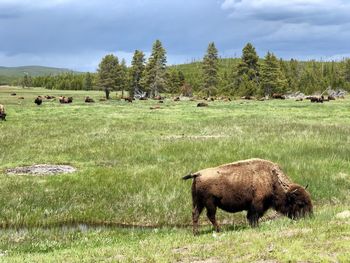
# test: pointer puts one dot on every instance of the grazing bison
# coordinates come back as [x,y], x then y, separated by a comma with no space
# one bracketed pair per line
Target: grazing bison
[202,104]
[253,185]
[89,100]
[2,113]
[38,100]
[13,94]
[177,99]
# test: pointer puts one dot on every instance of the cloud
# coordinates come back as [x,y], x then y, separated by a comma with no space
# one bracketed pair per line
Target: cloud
[292,11]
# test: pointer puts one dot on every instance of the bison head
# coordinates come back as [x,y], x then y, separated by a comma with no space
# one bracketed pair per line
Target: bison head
[298,202]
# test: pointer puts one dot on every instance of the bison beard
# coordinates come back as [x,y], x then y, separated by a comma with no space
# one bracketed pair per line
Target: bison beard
[253,185]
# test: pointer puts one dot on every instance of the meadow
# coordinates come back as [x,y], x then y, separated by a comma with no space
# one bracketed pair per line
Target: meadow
[127,201]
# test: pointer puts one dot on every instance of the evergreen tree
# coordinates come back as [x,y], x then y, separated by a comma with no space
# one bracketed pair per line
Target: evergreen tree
[347,70]
[210,70]
[176,80]
[136,72]
[272,79]
[108,73]
[88,82]
[249,63]
[123,77]
[154,80]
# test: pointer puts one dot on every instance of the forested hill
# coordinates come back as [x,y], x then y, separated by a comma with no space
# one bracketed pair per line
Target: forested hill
[9,74]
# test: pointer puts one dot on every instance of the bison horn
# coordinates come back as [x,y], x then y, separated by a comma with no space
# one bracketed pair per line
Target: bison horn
[294,191]
[306,186]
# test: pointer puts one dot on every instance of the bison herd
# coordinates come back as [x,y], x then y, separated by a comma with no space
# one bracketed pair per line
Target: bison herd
[203,101]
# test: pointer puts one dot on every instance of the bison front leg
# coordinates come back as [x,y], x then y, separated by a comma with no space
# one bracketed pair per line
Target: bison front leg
[254,213]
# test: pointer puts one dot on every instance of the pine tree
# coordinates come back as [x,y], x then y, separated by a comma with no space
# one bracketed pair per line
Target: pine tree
[136,72]
[88,81]
[249,63]
[210,70]
[108,73]
[272,79]
[247,73]
[123,77]
[154,80]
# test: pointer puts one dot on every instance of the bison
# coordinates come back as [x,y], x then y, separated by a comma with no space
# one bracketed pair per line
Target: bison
[89,100]
[2,113]
[128,99]
[254,185]
[38,100]
[202,104]
[278,96]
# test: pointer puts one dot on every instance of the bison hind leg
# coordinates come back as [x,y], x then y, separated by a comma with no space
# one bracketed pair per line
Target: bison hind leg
[211,214]
[196,212]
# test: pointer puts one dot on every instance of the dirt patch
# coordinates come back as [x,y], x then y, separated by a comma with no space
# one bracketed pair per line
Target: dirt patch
[41,170]
[343,215]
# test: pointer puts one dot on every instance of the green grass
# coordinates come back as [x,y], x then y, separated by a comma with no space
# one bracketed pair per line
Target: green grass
[130,160]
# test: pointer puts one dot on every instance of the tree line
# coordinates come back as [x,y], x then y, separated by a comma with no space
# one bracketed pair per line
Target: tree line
[249,75]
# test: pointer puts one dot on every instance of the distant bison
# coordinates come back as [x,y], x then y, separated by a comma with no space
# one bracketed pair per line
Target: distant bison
[253,185]
[13,94]
[2,113]
[177,99]
[317,99]
[278,96]
[65,100]
[128,99]
[89,100]
[202,104]
[38,100]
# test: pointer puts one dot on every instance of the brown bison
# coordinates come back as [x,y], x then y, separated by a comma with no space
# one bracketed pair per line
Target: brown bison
[128,99]
[278,96]
[202,104]
[38,100]
[253,185]
[65,100]
[177,99]
[2,113]
[89,100]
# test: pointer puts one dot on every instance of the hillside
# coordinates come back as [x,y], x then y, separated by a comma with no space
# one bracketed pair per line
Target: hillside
[9,74]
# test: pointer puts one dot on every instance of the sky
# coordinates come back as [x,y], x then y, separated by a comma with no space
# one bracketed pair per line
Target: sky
[76,34]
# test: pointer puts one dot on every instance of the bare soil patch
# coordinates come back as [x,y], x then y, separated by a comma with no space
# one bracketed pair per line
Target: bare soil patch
[41,170]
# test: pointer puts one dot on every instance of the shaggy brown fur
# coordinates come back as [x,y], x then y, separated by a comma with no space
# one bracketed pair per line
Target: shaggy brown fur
[38,101]
[2,113]
[177,99]
[202,104]
[253,185]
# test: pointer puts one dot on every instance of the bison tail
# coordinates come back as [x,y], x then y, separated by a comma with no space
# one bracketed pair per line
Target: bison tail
[191,176]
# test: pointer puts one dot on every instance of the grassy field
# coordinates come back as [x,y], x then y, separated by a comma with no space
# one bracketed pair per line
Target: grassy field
[130,160]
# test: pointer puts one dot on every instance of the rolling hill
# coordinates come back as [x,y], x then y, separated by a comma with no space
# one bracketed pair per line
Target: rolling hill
[9,74]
